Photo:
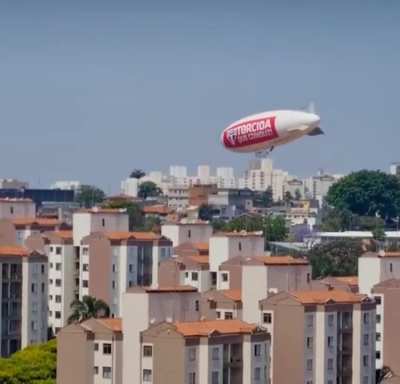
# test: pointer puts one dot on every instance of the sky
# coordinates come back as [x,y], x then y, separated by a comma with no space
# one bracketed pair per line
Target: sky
[91,89]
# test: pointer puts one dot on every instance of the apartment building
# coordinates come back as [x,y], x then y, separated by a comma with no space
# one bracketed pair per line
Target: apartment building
[159,304]
[375,267]
[320,337]
[265,275]
[111,262]
[224,351]
[24,298]
[226,245]
[194,231]
[178,197]
[63,277]
[97,219]
[222,304]
[90,352]
[11,208]
[387,298]
[17,230]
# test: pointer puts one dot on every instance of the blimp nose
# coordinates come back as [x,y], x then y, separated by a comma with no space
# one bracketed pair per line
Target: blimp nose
[313,120]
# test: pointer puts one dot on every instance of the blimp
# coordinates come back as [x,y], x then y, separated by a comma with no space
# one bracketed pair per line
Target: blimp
[262,132]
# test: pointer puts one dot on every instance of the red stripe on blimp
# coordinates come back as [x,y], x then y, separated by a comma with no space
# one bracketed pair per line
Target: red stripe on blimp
[250,132]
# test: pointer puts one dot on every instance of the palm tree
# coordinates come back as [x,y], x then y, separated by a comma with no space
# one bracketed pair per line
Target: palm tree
[88,307]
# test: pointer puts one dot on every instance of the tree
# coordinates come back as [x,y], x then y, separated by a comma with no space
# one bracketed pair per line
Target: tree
[275,228]
[89,195]
[136,218]
[287,197]
[153,224]
[35,364]
[335,220]
[87,308]
[137,174]
[149,189]
[205,212]
[297,195]
[335,258]
[264,199]
[367,193]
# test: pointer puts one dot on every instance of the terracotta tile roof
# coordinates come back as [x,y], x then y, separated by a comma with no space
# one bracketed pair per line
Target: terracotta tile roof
[324,297]
[282,260]
[168,289]
[205,328]
[158,209]
[198,259]
[351,280]
[201,246]
[232,294]
[381,254]
[133,236]
[115,324]
[41,221]
[15,200]
[66,235]
[13,250]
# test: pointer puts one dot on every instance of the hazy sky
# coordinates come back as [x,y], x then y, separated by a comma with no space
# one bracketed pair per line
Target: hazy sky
[91,89]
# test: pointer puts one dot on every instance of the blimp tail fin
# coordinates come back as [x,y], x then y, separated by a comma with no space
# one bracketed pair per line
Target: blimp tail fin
[311,107]
[316,131]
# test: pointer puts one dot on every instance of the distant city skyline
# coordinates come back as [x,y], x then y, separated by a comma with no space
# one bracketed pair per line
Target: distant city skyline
[91,90]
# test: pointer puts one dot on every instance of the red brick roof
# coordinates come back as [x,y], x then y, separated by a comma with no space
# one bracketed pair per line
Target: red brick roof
[205,328]
[324,297]
[115,324]
[13,250]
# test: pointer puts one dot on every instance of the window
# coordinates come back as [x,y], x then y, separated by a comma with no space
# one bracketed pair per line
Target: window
[257,349]
[85,267]
[240,246]
[192,377]
[228,315]
[58,266]
[130,283]
[267,318]
[33,288]
[330,341]
[51,265]
[51,249]
[58,250]
[192,354]
[366,340]
[50,297]
[113,284]
[366,318]
[43,269]
[106,372]
[147,375]
[365,361]
[391,267]
[58,298]
[309,365]
[378,355]
[103,222]
[330,364]
[215,353]
[186,274]
[310,321]
[308,278]
[224,277]
[257,374]
[58,282]
[85,250]
[195,276]
[12,210]
[215,377]
[378,319]
[378,336]
[197,305]
[218,314]
[147,351]
[85,283]
[113,267]
[107,349]
[57,314]
[378,300]
[331,320]
[95,370]
[365,380]
[96,346]
[309,342]
[189,233]
[130,268]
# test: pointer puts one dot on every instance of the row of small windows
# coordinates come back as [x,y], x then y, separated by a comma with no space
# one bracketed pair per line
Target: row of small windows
[106,348]
[106,372]
[58,250]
